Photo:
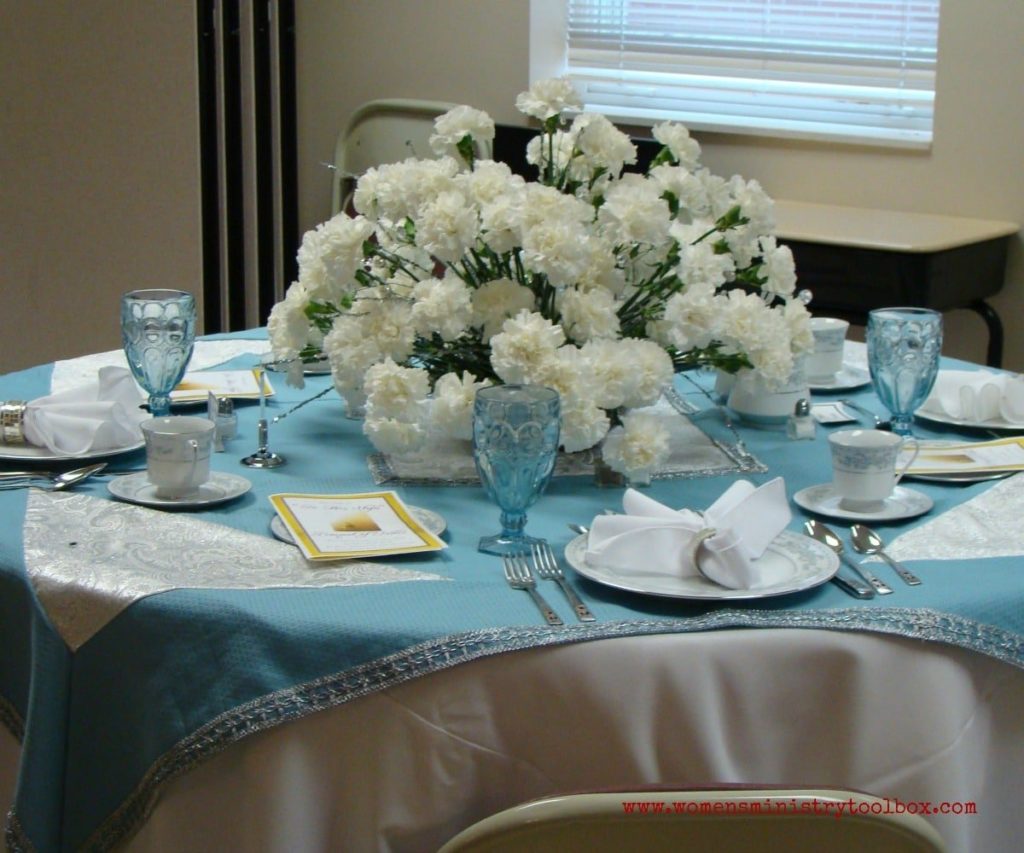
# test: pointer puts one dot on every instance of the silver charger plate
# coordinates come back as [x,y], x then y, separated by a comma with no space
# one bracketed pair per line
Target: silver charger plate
[903,503]
[797,562]
[849,377]
[221,487]
[31,453]
[431,521]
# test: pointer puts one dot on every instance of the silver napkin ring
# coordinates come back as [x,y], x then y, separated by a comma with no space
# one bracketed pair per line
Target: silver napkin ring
[12,421]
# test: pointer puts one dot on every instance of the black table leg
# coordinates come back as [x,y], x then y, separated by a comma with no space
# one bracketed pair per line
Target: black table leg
[995,331]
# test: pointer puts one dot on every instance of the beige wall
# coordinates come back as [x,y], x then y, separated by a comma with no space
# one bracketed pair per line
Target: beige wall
[98,142]
[476,52]
[98,168]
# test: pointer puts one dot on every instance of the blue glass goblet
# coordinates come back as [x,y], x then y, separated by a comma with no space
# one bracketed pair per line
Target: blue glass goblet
[515,440]
[158,331]
[904,345]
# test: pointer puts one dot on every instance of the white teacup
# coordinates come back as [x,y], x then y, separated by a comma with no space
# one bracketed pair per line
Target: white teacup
[826,361]
[864,466]
[178,454]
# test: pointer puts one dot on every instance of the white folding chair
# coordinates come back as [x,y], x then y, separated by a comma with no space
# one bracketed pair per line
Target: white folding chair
[384,131]
[762,820]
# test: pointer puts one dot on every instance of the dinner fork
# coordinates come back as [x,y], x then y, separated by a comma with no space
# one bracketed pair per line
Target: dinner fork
[547,568]
[518,575]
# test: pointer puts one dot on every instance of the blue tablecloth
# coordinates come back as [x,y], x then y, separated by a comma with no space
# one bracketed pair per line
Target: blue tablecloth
[181,674]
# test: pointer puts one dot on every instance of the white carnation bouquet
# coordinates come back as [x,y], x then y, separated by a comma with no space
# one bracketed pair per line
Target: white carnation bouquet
[594,280]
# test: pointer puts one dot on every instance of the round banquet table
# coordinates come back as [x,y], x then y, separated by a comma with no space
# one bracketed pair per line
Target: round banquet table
[654,693]
[406,768]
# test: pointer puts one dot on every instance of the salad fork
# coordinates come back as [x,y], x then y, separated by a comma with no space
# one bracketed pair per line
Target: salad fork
[547,568]
[518,575]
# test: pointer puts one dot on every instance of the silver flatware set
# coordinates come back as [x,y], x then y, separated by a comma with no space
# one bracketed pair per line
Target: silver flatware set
[864,583]
[520,576]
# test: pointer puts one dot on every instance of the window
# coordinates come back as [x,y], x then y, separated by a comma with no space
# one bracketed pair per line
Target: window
[838,70]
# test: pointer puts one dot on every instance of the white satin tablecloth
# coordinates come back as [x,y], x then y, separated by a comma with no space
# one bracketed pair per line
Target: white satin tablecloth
[406,768]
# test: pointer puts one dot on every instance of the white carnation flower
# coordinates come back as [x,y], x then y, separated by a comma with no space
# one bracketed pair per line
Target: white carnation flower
[634,212]
[754,204]
[677,139]
[387,322]
[456,124]
[779,269]
[287,325]
[341,248]
[687,189]
[499,223]
[444,307]
[447,226]
[583,425]
[395,191]
[638,447]
[690,319]
[750,326]
[651,368]
[452,411]
[496,301]
[394,435]
[525,341]
[490,181]
[566,371]
[558,150]
[557,248]
[611,375]
[393,391]
[798,323]
[716,190]
[602,144]
[701,264]
[547,98]
[351,352]
[590,314]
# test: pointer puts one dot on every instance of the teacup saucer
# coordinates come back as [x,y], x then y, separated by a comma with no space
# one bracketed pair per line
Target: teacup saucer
[136,489]
[903,503]
[849,377]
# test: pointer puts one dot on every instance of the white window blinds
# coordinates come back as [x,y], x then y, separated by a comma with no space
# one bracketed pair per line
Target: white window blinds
[822,69]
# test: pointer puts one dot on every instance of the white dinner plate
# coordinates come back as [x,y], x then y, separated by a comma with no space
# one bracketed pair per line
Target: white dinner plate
[851,376]
[31,453]
[903,503]
[431,521]
[795,563]
[221,487]
[994,423]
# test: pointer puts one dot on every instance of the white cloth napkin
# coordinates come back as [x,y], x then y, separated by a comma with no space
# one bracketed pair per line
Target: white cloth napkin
[722,543]
[977,396]
[100,415]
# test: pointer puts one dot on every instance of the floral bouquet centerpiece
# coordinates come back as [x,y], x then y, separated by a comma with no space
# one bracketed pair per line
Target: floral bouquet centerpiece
[594,280]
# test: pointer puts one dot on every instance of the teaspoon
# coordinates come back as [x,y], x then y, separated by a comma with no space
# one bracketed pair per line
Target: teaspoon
[866,541]
[816,530]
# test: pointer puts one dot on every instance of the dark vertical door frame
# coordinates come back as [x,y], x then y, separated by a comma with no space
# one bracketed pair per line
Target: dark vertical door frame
[264,156]
[288,123]
[233,208]
[209,170]
[223,202]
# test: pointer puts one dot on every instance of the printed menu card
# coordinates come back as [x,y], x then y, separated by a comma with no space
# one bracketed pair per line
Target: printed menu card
[1003,454]
[372,524]
[195,386]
